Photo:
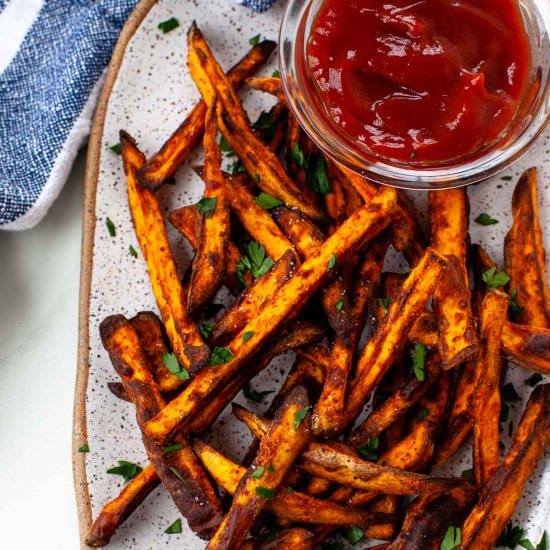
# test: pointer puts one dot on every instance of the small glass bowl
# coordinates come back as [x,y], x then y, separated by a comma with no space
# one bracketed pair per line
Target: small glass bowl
[532,117]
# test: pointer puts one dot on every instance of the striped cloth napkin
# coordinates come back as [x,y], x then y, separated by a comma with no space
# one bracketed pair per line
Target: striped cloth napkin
[53,55]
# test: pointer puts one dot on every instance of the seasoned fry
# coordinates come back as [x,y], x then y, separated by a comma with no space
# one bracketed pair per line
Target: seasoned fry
[388,341]
[284,442]
[527,346]
[429,516]
[210,258]
[290,505]
[178,146]
[195,497]
[182,332]
[328,416]
[290,539]
[524,255]
[186,220]
[365,224]
[253,299]
[270,85]
[448,211]
[398,403]
[501,494]
[115,512]
[260,162]
[486,398]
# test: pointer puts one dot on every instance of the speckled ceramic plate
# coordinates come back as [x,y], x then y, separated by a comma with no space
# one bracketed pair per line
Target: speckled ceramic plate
[147,92]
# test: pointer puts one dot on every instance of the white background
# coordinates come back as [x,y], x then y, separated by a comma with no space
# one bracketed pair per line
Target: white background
[39,279]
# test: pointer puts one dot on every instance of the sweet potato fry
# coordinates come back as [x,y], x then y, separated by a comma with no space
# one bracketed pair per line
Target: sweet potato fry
[365,224]
[186,220]
[182,332]
[210,257]
[527,346]
[329,411]
[253,299]
[195,497]
[424,330]
[398,403]
[115,512]
[524,255]
[270,85]
[389,339]
[177,147]
[290,539]
[502,492]
[448,211]
[286,504]
[287,437]
[260,162]
[429,516]
[486,399]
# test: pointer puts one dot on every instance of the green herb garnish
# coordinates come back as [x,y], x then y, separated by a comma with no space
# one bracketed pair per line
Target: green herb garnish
[220,356]
[253,395]
[419,359]
[207,206]
[332,262]
[299,417]
[298,155]
[110,227]
[168,25]
[116,149]
[267,201]
[84,448]
[171,362]
[353,534]
[485,219]
[172,448]
[258,473]
[206,330]
[127,470]
[385,304]
[132,251]
[266,493]
[255,40]
[368,451]
[317,178]
[452,538]
[493,279]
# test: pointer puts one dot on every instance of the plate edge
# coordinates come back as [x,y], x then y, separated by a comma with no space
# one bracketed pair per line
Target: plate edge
[79,435]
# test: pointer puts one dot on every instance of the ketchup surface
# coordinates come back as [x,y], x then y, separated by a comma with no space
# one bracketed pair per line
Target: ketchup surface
[420,81]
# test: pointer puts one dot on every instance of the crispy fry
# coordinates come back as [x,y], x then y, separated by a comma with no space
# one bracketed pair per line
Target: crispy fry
[398,403]
[115,512]
[274,135]
[183,333]
[524,255]
[448,211]
[365,224]
[429,516]
[501,494]
[486,398]
[389,339]
[270,85]
[424,330]
[195,497]
[329,411]
[260,162]
[210,257]
[253,299]
[527,346]
[290,539]
[177,147]
[186,220]
[283,443]
[290,505]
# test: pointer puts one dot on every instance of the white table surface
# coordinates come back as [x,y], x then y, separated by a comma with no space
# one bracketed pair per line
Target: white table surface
[39,281]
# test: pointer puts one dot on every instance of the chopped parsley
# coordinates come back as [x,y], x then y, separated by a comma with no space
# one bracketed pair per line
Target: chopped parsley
[266,493]
[495,280]
[276,74]
[468,475]
[369,451]
[339,305]
[168,25]
[238,168]
[171,362]
[220,356]
[317,178]
[207,206]
[258,473]
[172,448]
[485,219]
[177,473]
[299,417]
[271,469]
[332,262]
[506,178]
[385,304]
[515,307]
[247,336]
[413,155]
[255,40]
[206,330]
[254,395]
[110,227]
[226,148]
[84,448]
[267,201]
[353,534]
[132,251]
[175,528]
[452,538]
[116,149]
[419,359]
[265,125]
[127,470]
[511,536]
[255,260]
[297,155]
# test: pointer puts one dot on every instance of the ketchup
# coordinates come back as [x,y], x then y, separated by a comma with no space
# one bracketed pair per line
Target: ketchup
[420,81]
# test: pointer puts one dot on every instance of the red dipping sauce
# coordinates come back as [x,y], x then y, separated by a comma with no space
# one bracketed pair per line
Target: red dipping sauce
[425,81]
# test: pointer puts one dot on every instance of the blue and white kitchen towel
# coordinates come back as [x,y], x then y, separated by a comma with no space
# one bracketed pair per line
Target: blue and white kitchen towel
[53,54]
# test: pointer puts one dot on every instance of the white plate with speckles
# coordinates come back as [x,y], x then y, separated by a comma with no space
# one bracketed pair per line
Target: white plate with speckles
[148,92]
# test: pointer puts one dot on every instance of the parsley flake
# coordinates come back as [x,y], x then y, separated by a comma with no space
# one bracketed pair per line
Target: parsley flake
[265,125]
[255,40]
[317,177]
[515,307]
[271,469]
[254,395]
[299,417]
[206,330]
[385,304]
[452,538]
[132,251]
[110,227]
[177,473]
[506,178]
[368,451]
[207,206]
[175,528]
[332,262]
[255,260]
[511,536]
[297,155]
[485,219]
[172,448]
[267,201]
[116,149]
[247,336]
[226,148]
[419,359]
[276,74]
[493,279]
[353,534]
[468,475]
[127,470]
[258,473]
[339,305]
[289,490]
[220,356]
[171,362]
[266,493]
[84,448]
[413,155]
[168,25]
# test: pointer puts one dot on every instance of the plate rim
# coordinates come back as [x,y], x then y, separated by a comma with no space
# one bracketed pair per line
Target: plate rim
[79,429]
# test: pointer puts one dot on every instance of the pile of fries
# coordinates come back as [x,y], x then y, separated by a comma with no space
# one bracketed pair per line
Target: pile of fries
[301,243]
